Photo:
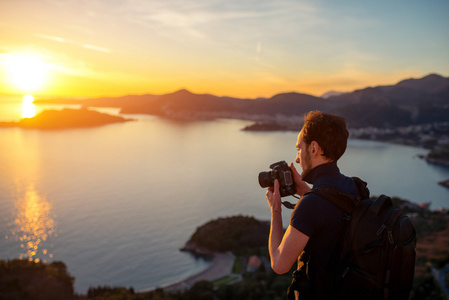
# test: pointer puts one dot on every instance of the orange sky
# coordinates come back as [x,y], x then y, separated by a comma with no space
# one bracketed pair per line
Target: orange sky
[233,48]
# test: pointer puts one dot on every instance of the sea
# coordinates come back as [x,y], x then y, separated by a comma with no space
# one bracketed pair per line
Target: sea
[116,203]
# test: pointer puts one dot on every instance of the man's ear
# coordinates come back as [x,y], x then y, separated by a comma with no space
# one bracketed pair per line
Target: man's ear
[315,148]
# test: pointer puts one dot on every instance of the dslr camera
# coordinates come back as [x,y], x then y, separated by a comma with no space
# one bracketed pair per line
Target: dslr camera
[283,173]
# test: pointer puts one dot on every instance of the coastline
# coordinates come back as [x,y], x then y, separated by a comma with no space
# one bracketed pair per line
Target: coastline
[220,266]
[444,183]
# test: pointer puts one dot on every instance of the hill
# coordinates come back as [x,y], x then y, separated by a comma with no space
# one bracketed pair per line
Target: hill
[23,279]
[236,234]
[408,102]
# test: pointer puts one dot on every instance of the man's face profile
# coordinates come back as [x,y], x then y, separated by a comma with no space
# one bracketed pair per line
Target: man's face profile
[303,157]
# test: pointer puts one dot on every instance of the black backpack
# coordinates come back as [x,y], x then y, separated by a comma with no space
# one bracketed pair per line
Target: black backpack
[375,256]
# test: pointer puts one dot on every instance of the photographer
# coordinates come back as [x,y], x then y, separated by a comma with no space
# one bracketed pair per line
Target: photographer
[315,225]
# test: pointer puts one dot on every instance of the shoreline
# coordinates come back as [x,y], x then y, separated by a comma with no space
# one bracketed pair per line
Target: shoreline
[220,266]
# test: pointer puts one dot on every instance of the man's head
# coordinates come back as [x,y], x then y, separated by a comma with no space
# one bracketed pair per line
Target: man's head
[322,139]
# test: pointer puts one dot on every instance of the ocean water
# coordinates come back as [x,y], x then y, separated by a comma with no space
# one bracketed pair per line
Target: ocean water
[117,202]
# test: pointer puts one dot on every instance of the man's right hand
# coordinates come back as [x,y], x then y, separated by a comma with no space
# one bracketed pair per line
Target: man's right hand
[274,197]
[301,185]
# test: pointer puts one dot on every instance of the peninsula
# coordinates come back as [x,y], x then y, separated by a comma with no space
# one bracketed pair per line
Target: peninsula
[237,234]
[65,119]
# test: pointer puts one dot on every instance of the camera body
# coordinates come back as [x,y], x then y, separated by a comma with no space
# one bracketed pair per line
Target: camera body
[283,173]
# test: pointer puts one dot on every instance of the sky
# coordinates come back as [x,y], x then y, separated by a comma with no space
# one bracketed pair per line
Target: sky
[238,48]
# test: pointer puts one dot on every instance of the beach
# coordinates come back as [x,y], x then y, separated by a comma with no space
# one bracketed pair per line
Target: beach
[220,266]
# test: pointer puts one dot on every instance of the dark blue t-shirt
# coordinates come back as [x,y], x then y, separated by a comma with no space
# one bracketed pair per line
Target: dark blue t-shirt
[318,218]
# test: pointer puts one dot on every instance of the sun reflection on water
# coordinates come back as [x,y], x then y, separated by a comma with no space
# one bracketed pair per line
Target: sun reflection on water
[34,224]
[28,109]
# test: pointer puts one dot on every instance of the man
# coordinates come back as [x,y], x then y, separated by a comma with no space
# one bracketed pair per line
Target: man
[315,223]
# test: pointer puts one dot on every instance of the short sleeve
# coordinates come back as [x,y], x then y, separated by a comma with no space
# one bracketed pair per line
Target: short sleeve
[305,217]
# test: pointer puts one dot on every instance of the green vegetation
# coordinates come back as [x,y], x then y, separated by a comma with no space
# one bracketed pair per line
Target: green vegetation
[226,280]
[238,234]
[238,264]
[23,279]
[19,279]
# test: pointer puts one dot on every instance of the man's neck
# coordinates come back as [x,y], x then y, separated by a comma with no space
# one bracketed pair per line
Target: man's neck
[310,176]
[320,160]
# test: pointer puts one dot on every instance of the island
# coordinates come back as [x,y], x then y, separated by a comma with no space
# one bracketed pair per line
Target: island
[65,119]
[270,126]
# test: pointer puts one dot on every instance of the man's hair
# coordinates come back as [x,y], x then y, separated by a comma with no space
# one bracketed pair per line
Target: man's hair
[329,131]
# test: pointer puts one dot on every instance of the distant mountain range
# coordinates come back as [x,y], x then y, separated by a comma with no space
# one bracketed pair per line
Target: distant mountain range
[411,101]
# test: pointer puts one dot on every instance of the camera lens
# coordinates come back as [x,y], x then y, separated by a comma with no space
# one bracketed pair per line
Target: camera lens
[265,179]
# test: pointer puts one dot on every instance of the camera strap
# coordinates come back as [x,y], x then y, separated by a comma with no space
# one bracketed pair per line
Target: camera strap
[289,205]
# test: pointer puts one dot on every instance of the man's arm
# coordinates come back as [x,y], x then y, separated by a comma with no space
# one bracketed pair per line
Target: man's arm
[284,249]
[284,254]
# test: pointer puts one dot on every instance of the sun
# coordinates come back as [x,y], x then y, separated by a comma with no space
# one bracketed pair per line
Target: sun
[28,109]
[27,71]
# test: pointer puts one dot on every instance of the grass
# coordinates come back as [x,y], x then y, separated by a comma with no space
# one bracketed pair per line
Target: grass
[237,267]
[228,279]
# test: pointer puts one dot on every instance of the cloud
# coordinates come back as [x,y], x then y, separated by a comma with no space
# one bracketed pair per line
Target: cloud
[97,48]
[52,38]
[204,19]
[65,41]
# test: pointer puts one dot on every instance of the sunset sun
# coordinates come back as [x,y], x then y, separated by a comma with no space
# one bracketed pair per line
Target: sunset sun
[28,109]
[27,71]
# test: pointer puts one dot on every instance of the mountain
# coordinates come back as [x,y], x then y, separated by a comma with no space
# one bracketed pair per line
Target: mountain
[432,83]
[410,101]
[186,105]
[331,94]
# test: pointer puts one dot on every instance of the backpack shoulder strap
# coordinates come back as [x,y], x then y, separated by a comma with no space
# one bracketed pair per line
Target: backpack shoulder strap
[379,203]
[345,201]
[339,198]
[364,193]
[361,187]
[335,196]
